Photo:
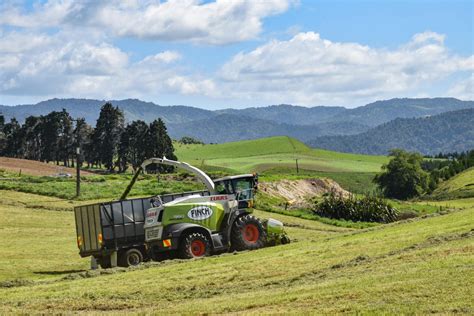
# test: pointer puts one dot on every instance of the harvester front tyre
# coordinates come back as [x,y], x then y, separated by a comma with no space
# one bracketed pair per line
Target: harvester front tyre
[248,233]
[131,257]
[194,245]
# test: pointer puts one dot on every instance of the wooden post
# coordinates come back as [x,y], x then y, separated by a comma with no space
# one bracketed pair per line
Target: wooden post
[78,172]
[297,167]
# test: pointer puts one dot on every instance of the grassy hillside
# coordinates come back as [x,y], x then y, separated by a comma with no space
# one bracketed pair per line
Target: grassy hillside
[419,266]
[459,186]
[275,158]
[267,153]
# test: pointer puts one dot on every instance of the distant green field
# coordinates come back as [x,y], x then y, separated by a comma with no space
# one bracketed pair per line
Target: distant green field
[267,153]
[420,266]
[460,186]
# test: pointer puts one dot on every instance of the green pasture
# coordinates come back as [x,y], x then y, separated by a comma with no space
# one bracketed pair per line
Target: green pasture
[267,153]
[418,266]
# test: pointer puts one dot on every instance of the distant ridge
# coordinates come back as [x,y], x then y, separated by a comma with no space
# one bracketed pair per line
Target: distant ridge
[304,123]
[446,132]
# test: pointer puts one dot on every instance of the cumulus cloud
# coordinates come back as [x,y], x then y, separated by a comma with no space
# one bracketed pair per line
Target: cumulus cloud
[309,69]
[464,89]
[57,65]
[219,22]
[68,48]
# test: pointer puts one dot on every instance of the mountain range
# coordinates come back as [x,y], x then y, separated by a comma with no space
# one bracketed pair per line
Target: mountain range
[445,132]
[318,126]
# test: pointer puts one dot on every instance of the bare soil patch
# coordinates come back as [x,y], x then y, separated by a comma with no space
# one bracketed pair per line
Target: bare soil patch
[299,192]
[35,168]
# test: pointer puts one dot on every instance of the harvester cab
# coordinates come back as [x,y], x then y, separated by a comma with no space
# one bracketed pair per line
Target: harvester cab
[242,187]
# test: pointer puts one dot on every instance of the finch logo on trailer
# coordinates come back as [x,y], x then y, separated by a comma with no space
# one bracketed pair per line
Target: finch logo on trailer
[200,213]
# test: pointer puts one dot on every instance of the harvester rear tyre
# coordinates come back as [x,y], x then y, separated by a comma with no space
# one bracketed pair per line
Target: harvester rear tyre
[248,233]
[132,257]
[194,245]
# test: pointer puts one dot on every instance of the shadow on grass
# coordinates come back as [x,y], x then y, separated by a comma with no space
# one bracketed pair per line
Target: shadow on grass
[58,272]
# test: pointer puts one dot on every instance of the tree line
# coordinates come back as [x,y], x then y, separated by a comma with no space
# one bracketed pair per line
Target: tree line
[409,175]
[111,144]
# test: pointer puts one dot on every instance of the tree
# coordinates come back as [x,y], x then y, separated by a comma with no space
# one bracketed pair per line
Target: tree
[3,138]
[12,137]
[51,127]
[82,139]
[65,140]
[190,140]
[106,137]
[159,144]
[403,177]
[31,134]
[133,145]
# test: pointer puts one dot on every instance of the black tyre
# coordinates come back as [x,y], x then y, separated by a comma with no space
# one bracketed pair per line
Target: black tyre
[248,233]
[131,257]
[194,245]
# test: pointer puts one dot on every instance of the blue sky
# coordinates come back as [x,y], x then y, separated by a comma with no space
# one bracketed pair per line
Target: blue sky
[236,53]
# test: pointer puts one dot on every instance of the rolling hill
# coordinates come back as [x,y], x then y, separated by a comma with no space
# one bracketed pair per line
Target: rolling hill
[446,132]
[267,153]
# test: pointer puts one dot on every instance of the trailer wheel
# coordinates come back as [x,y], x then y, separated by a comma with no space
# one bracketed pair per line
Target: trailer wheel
[248,233]
[194,245]
[131,257]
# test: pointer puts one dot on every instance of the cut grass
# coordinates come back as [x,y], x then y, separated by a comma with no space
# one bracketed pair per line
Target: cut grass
[417,266]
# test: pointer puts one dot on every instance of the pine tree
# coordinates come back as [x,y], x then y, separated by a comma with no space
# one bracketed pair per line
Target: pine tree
[3,139]
[31,132]
[133,144]
[12,136]
[65,139]
[82,139]
[160,145]
[106,137]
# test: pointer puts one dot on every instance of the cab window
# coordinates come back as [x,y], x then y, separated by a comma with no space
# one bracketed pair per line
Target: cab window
[243,189]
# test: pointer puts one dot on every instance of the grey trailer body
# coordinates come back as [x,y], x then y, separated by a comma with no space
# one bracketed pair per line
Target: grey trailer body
[111,228]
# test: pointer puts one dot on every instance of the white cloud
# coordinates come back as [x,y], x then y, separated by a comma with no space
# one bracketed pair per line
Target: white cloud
[216,23]
[163,57]
[66,48]
[310,70]
[66,64]
[463,89]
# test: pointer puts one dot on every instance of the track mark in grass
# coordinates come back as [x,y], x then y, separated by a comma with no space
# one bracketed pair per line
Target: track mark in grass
[301,226]
[15,283]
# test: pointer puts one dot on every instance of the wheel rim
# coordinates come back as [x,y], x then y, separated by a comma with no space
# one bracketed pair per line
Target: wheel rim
[251,233]
[198,248]
[133,259]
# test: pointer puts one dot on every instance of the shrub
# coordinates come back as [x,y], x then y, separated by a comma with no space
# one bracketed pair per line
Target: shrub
[366,209]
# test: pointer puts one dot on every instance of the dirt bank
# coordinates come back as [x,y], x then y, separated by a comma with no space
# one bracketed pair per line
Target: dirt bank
[298,192]
[35,168]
